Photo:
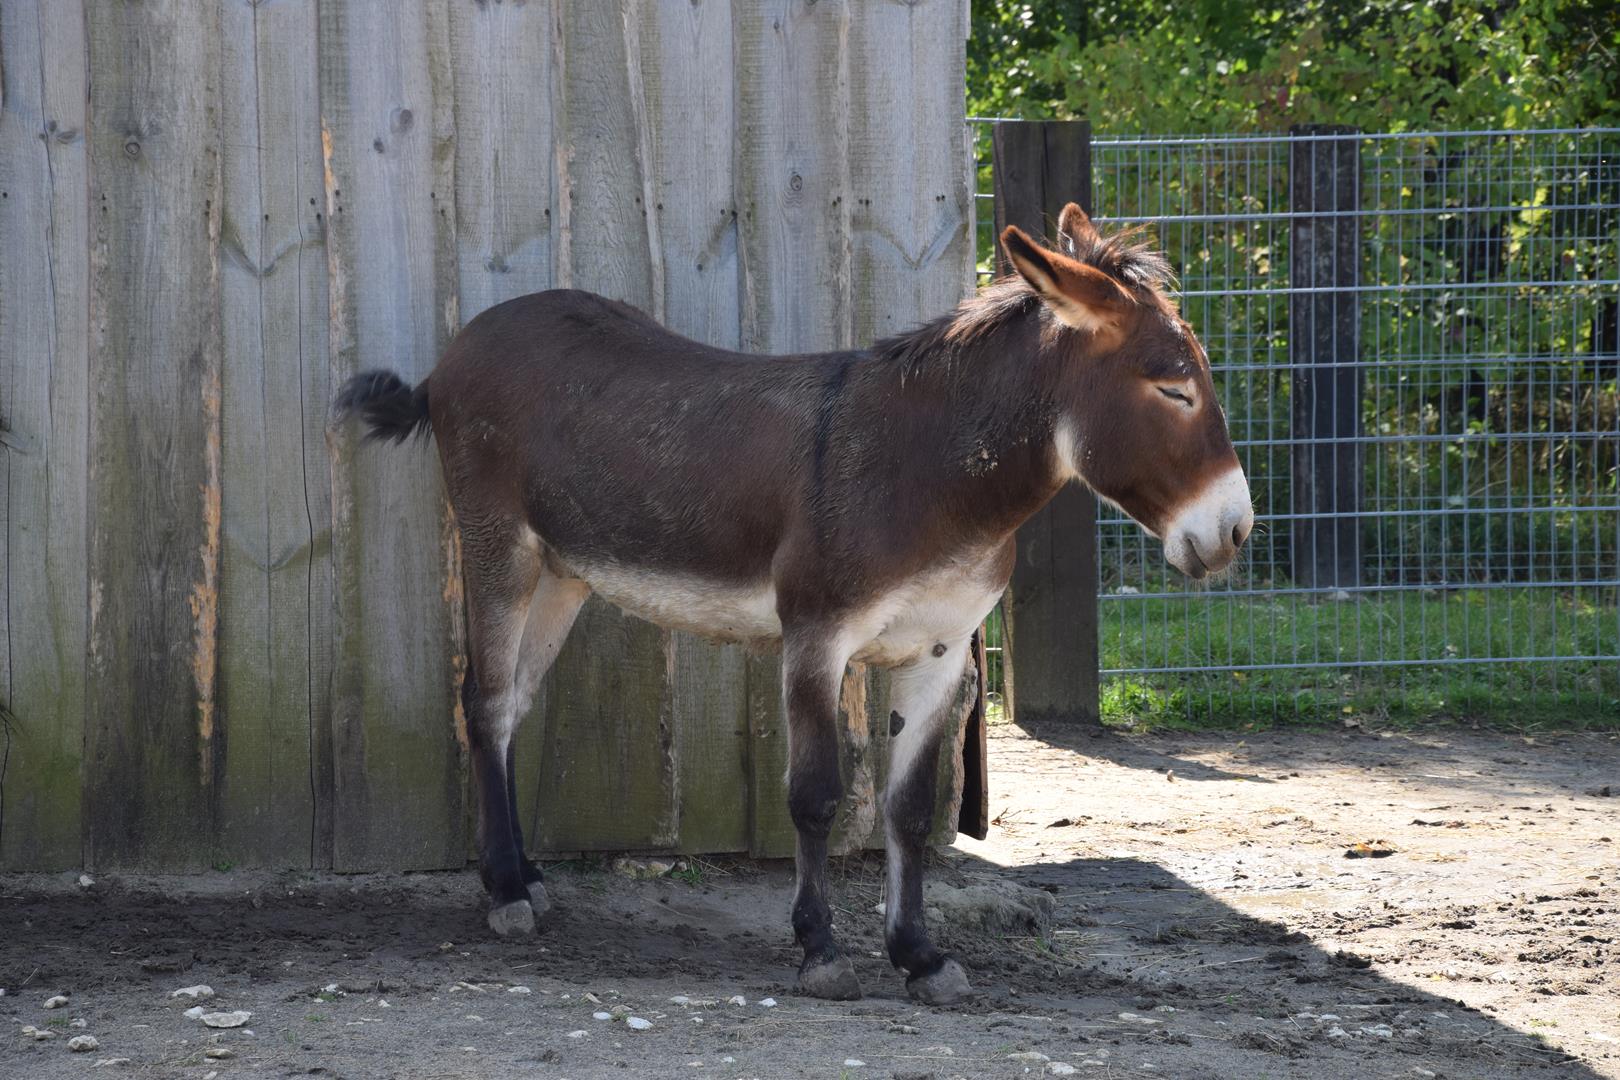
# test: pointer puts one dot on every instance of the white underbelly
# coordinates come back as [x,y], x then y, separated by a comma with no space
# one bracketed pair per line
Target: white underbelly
[935,608]
[744,614]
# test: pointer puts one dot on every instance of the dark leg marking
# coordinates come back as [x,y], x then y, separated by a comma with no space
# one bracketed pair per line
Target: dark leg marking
[815,789]
[897,723]
[933,693]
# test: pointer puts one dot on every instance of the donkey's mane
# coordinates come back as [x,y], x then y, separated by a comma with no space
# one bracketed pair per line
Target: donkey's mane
[1127,256]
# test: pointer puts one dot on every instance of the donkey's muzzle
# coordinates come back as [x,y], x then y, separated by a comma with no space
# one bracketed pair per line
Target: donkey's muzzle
[1208,532]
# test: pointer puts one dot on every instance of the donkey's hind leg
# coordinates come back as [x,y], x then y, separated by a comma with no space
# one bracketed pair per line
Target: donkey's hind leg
[924,695]
[501,571]
[552,612]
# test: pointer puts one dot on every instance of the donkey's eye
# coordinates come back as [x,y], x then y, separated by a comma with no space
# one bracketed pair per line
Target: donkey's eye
[1176,395]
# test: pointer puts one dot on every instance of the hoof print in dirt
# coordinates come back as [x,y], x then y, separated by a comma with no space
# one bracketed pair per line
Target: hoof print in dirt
[512,920]
[947,986]
[539,902]
[834,980]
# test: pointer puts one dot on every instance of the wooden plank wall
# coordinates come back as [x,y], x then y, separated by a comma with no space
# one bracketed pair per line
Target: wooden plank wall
[233,634]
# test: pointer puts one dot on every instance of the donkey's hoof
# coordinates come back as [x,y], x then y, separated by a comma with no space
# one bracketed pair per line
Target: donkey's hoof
[539,901]
[833,980]
[515,919]
[947,986]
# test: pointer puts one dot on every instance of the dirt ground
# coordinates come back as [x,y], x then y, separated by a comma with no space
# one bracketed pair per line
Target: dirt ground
[1207,924]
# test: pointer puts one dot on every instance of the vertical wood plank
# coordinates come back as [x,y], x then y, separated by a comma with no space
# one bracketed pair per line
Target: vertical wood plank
[911,242]
[504,77]
[686,77]
[608,765]
[911,215]
[1052,601]
[792,182]
[275,568]
[398,770]
[152,737]
[44,418]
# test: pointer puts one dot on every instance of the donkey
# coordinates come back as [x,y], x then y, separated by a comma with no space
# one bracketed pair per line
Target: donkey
[844,506]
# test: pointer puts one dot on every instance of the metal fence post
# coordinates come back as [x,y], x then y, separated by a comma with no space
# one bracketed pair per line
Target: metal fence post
[1051,624]
[1324,332]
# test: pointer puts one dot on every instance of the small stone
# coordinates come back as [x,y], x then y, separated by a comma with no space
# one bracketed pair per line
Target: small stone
[86,881]
[636,1023]
[1336,1032]
[601,1016]
[854,1063]
[1028,1055]
[1382,1031]
[578,1034]
[736,999]
[680,999]
[219,1053]
[226,1019]
[29,1031]
[56,1002]
[83,1044]
[518,990]
[194,1013]
[114,1062]
[1133,1018]
[200,992]
[767,1003]
[1060,1068]
[78,1022]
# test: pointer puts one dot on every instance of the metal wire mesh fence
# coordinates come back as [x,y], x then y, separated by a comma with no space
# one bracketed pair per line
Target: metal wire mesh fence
[1475,567]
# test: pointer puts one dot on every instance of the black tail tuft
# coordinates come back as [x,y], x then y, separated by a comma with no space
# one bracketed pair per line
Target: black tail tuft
[390,408]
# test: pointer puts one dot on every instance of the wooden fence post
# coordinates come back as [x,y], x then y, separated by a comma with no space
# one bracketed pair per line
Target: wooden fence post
[1052,602]
[1324,342]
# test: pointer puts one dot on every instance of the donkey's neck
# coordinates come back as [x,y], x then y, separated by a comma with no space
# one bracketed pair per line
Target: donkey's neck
[979,420]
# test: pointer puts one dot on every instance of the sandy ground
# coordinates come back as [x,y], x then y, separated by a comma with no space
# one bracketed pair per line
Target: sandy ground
[1207,924]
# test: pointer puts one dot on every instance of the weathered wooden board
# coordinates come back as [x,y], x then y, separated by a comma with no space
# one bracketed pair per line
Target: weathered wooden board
[275,568]
[911,221]
[685,63]
[607,776]
[792,184]
[399,785]
[911,213]
[506,72]
[152,740]
[44,410]
[253,631]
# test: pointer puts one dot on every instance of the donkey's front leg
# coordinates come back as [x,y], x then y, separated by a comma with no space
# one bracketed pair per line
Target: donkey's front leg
[925,696]
[812,673]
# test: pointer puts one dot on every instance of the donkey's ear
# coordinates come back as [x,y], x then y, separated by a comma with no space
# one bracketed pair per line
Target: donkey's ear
[1079,234]
[1080,296]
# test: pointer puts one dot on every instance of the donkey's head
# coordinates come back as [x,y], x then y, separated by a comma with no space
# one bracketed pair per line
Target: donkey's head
[1137,419]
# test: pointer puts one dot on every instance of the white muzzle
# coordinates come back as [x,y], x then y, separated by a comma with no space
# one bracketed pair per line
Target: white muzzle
[1208,532]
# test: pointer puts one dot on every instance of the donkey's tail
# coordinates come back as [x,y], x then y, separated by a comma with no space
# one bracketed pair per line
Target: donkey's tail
[390,408]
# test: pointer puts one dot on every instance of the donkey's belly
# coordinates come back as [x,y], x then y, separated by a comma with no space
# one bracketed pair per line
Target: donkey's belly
[721,611]
[905,623]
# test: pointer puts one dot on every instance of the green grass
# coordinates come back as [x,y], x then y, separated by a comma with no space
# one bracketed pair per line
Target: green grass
[1236,632]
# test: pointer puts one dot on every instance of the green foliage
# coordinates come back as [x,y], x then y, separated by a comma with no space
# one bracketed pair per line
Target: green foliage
[1236,66]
